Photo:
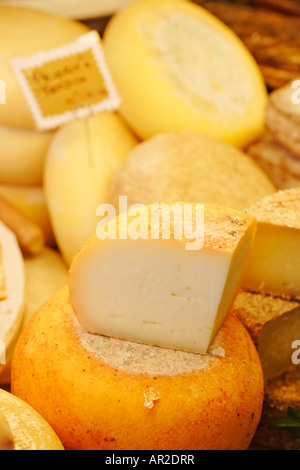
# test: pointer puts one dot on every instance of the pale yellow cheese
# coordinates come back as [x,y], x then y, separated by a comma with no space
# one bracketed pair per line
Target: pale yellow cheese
[24,32]
[274,266]
[28,428]
[6,436]
[3,291]
[156,290]
[178,67]
[81,160]
[12,308]
[31,202]
[22,155]
[274,325]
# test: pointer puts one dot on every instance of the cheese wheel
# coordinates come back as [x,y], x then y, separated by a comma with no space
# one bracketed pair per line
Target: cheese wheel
[29,430]
[31,202]
[177,67]
[20,36]
[189,166]
[103,393]
[22,155]
[82,158]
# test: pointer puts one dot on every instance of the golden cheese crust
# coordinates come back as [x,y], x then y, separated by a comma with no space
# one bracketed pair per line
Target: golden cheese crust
[102,393]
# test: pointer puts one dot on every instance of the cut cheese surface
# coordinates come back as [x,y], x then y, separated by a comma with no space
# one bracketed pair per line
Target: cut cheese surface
[22,155]
[3,291]
[274,325]
[177,67]
[189,166]
[80,163]
[274,266]
[11,309]
[19,37]
[160,291]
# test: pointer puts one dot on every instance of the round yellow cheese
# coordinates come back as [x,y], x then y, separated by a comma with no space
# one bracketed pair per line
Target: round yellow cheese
[29,430]
[178,67]
[22,155]
[101,393]
[188,166]
[24,32]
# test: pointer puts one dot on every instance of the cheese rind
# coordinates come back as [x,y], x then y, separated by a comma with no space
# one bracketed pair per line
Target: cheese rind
[23,154]
[81,160]
[157,291]
[274,325]
[177,67]
[275,262]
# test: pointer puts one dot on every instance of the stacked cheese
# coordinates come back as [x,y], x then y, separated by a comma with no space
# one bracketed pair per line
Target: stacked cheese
[270,303]
[278,151]
[23,147]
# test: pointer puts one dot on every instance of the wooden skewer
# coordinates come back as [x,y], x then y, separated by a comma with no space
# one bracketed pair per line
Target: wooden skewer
[30,236]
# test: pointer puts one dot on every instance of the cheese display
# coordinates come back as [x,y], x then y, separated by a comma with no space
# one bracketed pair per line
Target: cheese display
[26,429]
[12,308]
[189,166]
[274,325]
[170,293]
[129,396]
[81,160]
[274,265]
[178,67]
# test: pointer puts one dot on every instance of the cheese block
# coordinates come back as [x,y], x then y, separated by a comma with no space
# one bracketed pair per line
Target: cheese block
[274,265]
[102,393]
[19,38]
[22,155]
[27,428]
[274,325]
[178,67]
[281,395]
[45,274]
[163,290]
[31,202]
[83,156]
[6,437]
[189,166]
[11,309]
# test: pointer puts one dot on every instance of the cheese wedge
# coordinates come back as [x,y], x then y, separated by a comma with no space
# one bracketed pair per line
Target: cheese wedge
[274,324]
[177,67]
[161,291]
[28,428]
[80,163]
[274,266]
[3,291]
[19,37]
[23,154]
[6,437]
[11,309]
[189,166]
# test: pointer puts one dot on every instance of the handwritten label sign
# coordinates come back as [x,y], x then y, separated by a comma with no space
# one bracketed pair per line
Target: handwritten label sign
[67,82]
